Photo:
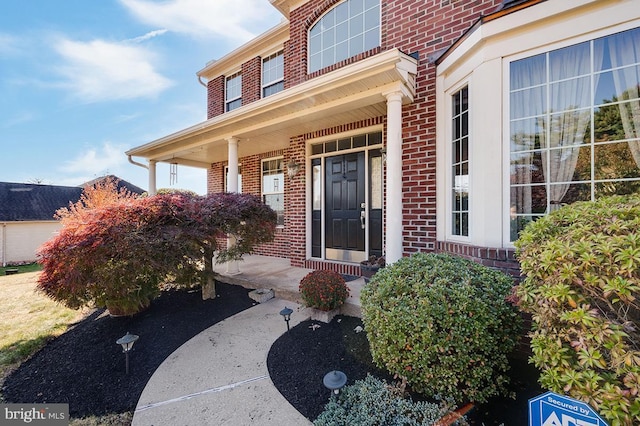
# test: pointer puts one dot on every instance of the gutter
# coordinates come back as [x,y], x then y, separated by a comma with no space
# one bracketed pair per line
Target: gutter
[135,163]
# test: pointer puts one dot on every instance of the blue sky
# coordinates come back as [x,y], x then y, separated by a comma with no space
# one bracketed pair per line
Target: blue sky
[82,81]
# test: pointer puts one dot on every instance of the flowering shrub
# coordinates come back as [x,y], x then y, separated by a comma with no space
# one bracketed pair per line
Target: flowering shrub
[582,268]
[324,290]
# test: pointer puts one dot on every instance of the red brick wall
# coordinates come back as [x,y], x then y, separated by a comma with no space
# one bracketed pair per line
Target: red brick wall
[498,258]
[215,178]
[420,26]
[251,184]
[426,27]
[251,81]
[423,26]
[215,97]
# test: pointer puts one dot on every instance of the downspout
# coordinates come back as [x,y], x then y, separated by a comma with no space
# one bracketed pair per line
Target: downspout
[201,82]
[4,244]
[152,173]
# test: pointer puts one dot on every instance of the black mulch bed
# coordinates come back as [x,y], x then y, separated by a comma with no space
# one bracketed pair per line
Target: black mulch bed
[86,369]
[298,361]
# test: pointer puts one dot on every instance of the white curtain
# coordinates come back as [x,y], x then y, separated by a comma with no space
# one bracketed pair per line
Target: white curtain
[526,103]
[625,48]
[567,129]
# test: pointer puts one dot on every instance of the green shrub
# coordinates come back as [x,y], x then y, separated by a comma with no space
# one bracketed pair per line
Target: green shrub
[582,267]
[324,290]
[443,323]
[371,402]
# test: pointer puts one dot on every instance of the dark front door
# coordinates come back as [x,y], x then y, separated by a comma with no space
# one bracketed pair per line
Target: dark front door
[344,207]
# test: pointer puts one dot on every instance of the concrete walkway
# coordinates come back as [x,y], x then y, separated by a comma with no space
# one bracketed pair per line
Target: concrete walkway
[220,377]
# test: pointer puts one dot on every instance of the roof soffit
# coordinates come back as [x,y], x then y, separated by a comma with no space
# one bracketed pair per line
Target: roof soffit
[349,94]
[286,6]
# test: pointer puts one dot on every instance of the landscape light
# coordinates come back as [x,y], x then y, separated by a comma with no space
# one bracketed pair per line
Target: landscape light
[286,313]
[334,381]
[127,342]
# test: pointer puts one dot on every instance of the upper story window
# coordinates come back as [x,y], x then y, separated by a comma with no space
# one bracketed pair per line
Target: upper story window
[273,186]
[350,28]
[460,163]
[233,92]
[574,125]
[272,74]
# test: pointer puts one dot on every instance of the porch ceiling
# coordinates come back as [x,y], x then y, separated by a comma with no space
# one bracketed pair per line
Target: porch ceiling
[346,95]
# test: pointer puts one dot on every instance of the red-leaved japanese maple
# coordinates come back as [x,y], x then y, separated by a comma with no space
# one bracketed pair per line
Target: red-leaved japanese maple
[120,254]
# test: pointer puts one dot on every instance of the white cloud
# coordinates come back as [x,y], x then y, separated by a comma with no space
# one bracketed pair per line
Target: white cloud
[99,70]
[19,118]
[123,118]
[147,36]
[8,44]
[233,20]
[110,159]
[93,162]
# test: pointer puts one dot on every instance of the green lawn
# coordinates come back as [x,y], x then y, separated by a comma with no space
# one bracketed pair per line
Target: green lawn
[32,267]
[28,319]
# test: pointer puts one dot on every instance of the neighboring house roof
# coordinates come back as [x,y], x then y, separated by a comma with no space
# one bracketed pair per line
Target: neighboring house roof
[121,183]
[29,202]
[25,201]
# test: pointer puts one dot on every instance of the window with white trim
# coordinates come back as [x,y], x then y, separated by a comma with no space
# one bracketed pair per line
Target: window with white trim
[226,179]
[233,92]
[460,163]
[273,186]
[350,28]
[272,74]
[574,125]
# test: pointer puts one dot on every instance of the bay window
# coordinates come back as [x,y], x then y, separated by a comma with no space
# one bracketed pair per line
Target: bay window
[574,125]
[460,163]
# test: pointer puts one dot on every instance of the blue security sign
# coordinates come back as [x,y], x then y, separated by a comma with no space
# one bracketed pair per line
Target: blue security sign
[551,409]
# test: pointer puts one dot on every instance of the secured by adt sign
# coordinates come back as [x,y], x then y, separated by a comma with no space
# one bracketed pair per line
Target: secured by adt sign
[551,409]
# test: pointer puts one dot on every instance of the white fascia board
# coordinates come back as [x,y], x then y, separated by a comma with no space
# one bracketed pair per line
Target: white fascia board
[391,60]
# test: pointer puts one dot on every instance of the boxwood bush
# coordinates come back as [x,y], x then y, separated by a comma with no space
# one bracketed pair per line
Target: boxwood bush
[443,323]
[582,287]
[371,402]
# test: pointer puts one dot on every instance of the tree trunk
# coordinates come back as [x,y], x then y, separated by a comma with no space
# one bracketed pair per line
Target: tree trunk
[209,283]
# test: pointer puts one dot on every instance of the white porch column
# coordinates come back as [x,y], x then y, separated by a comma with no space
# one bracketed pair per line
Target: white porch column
[232,178]
[393,234]
[152,177]
[232,186]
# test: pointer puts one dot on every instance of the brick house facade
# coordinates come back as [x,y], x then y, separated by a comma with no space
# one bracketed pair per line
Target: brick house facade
[437,80]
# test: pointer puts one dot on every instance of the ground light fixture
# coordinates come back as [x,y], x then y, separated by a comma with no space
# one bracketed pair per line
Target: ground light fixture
[127,342]
[334,381]
[286,314]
